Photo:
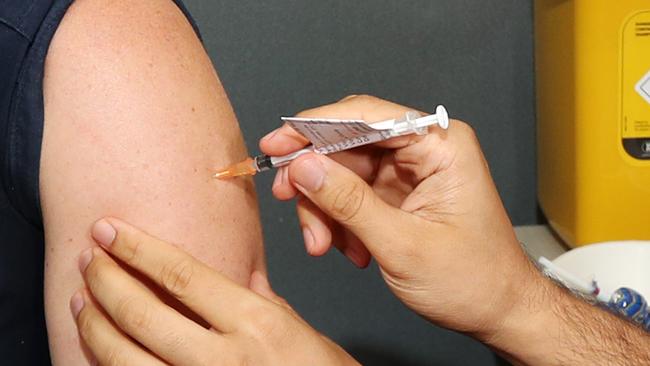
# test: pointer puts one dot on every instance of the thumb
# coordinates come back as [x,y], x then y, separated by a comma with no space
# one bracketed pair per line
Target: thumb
[349,200]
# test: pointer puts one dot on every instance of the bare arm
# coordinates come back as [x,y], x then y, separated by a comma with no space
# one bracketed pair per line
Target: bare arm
[130,94]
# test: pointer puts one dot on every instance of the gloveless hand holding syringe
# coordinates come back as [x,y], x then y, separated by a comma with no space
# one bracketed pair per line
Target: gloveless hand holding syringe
[333,135]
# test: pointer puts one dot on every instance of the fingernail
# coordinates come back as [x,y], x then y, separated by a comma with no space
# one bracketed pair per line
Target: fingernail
[77,303]
[104,233]
[309,174]
[85,258]
[270,135]
[308,237]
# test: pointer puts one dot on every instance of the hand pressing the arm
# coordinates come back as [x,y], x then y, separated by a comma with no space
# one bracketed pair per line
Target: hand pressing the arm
[123,322]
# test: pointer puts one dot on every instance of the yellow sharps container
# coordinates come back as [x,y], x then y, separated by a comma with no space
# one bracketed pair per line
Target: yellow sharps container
[593,106]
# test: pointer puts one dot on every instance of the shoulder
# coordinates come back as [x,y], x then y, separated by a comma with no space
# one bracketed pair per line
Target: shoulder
[125,18]
[121,35]
[113,63]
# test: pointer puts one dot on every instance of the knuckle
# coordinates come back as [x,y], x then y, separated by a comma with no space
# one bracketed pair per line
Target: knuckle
[284,303]
[469,138]
[92,272]
[304,114]
[131,250]
[116,356]
[96,273]
[176,276]
[263,321]
[465,129]
[347,201]
[85,325]
[361,99]
[365,98]
[177,341]
[133,314]
[348,97]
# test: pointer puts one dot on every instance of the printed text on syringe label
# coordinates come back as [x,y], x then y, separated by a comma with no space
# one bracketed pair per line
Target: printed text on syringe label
[348,144]
[330,136]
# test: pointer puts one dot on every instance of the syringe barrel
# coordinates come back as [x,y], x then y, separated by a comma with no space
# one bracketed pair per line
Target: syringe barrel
[280,161]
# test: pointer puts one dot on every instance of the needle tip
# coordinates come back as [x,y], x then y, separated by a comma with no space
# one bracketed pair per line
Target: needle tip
[244,168]
[222,175]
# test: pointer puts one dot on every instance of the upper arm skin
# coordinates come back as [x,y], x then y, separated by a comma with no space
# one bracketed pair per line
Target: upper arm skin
[136,121]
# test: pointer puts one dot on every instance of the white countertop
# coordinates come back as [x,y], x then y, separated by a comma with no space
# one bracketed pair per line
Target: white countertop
[539,240]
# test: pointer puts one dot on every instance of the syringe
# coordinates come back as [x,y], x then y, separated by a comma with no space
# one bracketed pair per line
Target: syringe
[412,123]
[259,163]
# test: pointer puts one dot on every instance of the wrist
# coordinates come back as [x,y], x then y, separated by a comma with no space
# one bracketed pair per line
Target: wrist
[526,333]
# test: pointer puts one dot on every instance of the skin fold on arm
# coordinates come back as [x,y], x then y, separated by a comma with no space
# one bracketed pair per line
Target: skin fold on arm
[136,122]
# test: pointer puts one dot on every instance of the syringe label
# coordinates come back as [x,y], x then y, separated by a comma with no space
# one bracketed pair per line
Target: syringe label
[370,138]
[330,136]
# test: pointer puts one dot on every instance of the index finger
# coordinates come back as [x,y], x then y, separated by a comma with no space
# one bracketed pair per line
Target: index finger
[211,295]
[286,140]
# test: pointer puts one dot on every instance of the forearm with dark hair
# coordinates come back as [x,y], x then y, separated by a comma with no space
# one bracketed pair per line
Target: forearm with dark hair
[592,335]
[549,325]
